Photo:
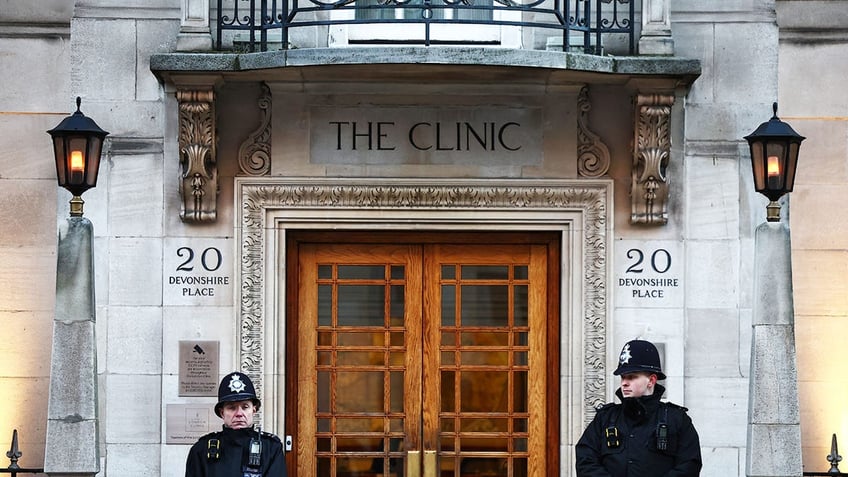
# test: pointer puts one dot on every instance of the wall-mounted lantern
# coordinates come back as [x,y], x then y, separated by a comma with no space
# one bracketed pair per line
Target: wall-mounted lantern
[774,158]
[77,144]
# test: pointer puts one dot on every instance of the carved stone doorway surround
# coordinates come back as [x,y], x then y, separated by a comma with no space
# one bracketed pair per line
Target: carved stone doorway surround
[579,209]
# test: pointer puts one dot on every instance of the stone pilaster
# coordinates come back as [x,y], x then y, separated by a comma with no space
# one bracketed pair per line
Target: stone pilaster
[72,445]
[774,418]
[655,38]
[194,32]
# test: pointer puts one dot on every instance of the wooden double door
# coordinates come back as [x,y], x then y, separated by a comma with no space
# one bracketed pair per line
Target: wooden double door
[423,359]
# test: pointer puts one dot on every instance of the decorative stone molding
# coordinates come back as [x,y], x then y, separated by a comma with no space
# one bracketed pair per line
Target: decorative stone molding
[254,156]
[593,156]
[651,152]
[429,201]
[199,167]
[655,37]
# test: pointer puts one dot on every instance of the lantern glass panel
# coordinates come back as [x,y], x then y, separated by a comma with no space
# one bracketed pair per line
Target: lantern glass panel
[59,151]
[758,164]
[75,160]
[791,165]
[775,164]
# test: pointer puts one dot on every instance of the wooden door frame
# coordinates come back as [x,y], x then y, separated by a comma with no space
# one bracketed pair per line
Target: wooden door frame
[550,239]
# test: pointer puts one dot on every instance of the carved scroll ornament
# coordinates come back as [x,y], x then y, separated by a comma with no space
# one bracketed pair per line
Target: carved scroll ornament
[254,154]
[593,156]
[198,164]
[651,152]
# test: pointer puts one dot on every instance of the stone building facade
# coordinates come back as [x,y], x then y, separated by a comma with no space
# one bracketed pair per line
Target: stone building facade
[615,188]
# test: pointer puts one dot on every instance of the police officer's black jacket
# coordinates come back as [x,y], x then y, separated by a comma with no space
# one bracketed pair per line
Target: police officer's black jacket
[231,458]
[622,440]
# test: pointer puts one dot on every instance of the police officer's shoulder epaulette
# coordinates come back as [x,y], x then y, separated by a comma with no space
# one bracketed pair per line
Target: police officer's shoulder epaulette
[210,435]
[604,407]
[675,406]
[273,437]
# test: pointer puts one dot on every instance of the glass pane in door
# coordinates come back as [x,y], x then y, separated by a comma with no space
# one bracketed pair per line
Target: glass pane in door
[360,359]
[483,366]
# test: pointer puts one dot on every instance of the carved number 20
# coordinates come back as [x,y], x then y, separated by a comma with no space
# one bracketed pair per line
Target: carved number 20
[639,256]
[188,252]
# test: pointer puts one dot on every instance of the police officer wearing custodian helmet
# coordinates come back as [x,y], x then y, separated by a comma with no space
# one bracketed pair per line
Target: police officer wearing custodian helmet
[237,450]
[641,436]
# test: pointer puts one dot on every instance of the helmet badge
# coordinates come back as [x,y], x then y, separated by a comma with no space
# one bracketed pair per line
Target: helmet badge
[625,355]
[236,384]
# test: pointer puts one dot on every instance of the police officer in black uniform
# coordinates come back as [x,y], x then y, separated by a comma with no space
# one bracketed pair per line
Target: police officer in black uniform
[237,450]
[641,436]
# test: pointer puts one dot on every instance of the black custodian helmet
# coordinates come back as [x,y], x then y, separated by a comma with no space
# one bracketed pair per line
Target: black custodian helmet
[639,356]
[236,386]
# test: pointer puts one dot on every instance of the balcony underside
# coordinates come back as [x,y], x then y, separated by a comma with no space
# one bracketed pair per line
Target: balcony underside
[427,64]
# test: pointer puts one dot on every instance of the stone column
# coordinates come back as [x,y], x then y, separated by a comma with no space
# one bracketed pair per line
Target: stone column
[656,38]
[195,34]
[72,444]
[774,421]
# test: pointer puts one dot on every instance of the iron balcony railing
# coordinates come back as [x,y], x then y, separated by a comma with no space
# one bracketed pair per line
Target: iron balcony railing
[582,24]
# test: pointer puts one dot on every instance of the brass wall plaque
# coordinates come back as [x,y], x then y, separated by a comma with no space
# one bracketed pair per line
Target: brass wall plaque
[198,368]
[186,423]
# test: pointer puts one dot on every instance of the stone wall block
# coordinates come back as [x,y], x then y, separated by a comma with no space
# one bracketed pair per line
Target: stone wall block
[154,36]
[136,195]
[133,409]
[38,291]
[819,282]
[103,53]
[697,40]
[741,65]
[712,275]
[28,212]
[712,342]
[28,152]
[135,340]
[815,94]
[29,85]
[815,225]
[821,160]
[135,460]
[135,271]
[213,324]
[24,348]
[712,197]
[719,416]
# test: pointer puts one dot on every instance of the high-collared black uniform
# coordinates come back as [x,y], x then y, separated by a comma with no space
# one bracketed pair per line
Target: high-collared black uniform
[634,452]
[232,457]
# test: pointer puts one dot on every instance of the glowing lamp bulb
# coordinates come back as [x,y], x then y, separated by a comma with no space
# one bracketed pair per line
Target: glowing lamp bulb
[773,171]
[76,161]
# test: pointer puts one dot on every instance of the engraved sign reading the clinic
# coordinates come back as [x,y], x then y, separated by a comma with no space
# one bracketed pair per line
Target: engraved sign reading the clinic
[648,274]
[198,272]
[505,136]
[198,368]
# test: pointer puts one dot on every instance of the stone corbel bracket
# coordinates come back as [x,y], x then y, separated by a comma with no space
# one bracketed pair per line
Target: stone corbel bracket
[198,162]
[651,152]
[593,156]
[254,156]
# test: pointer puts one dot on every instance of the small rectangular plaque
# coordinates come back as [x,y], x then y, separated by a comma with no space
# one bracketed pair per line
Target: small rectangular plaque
[198,368]
[186,423]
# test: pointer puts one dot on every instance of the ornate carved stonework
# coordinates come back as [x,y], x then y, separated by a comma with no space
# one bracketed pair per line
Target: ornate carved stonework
[593,157]
[410,201]
[254,154]
[199,167]
[651,152]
